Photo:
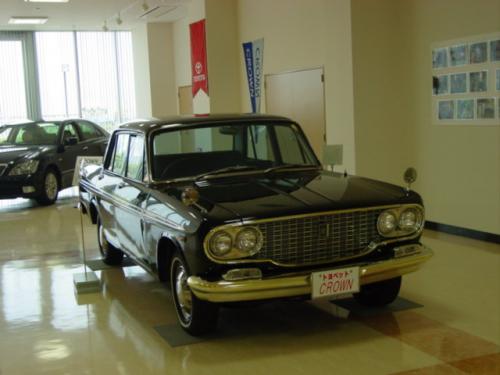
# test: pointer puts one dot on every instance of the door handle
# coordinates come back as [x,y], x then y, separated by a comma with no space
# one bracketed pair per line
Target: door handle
[85,148]
[121,185]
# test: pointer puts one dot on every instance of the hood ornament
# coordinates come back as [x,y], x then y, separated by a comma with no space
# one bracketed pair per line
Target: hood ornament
[190,196]
[410,177]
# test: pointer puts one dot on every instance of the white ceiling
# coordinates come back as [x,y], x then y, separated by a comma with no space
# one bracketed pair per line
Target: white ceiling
[91,14]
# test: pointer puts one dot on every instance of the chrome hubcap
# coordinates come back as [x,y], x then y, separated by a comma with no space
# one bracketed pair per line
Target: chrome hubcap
[183,293]
[102,240]
[51,186]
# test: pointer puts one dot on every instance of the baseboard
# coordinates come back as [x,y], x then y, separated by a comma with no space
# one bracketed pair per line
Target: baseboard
[464,232]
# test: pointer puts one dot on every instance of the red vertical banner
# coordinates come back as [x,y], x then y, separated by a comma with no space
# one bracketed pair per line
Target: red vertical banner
[199,70]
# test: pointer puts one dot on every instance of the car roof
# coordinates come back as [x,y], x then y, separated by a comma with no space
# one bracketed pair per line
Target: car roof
[147,126]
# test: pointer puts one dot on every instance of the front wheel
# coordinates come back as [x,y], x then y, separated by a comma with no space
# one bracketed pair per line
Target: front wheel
[380,293]
[195,316]
[110,254]
[49,189]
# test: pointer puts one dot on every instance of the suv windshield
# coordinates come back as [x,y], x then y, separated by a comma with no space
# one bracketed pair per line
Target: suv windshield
[34,133]
[219,149]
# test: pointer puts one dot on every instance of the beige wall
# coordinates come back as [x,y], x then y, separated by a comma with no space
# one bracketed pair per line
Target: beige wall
[301,34]
[155,89]
[223,56]
[459,167]
[141,71]
[161,69]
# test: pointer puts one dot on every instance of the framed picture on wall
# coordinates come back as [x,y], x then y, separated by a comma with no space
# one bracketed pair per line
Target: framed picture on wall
[486,108]
[442,87]
[465,109]
[440,58]
[478,81]
[458,83]
[478,53]
[458,55]
[495,50]
[446,110]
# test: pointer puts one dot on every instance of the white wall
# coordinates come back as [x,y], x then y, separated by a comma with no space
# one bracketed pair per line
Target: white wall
[153,52]
[141,71]
[301,34]
[458,166]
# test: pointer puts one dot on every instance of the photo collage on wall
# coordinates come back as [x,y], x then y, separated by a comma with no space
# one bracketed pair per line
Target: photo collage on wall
[466,82]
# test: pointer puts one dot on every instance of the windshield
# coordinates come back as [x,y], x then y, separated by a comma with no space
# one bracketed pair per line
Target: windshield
[35,133]
[195,152]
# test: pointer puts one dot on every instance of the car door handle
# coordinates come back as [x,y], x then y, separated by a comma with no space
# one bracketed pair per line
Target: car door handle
[121,185]
[85,148]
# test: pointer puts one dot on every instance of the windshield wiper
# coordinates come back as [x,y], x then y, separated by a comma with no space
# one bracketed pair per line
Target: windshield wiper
[236,168]
[291,166]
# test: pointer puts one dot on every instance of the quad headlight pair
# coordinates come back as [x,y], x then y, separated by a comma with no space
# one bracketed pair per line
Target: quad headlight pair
[234,243]
[400,221]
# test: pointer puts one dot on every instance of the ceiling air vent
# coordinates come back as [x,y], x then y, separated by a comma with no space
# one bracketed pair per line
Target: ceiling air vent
[157,11]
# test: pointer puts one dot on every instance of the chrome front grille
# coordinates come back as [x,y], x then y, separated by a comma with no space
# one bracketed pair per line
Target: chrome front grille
[318,239]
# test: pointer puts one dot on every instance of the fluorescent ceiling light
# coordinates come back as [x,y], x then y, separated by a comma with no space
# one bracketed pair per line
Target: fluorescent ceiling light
[46,1]
[28,20]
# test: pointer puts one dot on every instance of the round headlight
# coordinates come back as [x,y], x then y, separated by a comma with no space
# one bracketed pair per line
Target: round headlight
[410,220]
[386,222]
[249,240]
[221,243]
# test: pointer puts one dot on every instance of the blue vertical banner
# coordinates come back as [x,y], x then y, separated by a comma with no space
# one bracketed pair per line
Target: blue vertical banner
[254,60]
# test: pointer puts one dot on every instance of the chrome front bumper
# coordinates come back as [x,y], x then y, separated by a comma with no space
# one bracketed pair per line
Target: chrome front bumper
[300,284]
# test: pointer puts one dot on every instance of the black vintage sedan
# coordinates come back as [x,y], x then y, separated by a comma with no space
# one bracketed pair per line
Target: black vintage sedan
[238,208]
[37,159]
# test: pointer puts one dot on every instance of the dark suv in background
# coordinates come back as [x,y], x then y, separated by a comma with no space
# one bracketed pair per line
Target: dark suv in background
[37,159]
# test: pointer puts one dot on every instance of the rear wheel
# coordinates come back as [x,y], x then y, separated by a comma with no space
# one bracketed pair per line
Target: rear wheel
[380,293]
[110,254]
[195,316]
[49,188]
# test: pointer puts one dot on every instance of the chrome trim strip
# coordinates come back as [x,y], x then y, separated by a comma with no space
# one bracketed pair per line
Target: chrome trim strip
[370,248]
[2,171]
[297,284]
[146,215]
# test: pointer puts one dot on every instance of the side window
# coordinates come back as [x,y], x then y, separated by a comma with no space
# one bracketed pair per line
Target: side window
[259,143]
[120,156]
[88,131]
[69,131]
[135,168]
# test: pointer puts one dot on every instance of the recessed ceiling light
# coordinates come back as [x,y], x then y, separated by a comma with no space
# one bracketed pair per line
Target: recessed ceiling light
[46,1]
[28,20]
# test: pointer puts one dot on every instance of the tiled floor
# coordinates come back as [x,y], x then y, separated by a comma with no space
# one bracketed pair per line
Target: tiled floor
[46,328]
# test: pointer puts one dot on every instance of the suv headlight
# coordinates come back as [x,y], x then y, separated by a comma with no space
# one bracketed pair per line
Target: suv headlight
[234,243]
[400,221]
[25,167]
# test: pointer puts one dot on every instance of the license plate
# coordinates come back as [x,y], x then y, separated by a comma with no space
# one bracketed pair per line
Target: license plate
[335,282]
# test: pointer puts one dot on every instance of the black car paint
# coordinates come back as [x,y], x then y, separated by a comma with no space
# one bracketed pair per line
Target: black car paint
[59,157]
[227,200]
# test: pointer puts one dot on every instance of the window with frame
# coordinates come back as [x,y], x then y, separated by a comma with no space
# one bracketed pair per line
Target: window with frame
[119,163]
[135,168]
[290,148]
[259,144]
[88,131]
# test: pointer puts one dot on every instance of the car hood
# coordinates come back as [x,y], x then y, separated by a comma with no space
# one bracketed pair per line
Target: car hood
[291,194]
[13,153]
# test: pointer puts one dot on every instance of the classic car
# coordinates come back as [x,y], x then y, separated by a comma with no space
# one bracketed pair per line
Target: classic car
[232,208]
[37,159]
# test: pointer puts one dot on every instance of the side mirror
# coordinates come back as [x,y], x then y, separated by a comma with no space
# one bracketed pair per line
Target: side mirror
[410,177]
[71,141]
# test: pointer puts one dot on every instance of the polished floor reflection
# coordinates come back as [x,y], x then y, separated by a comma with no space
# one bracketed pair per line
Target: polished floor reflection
[46,328]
